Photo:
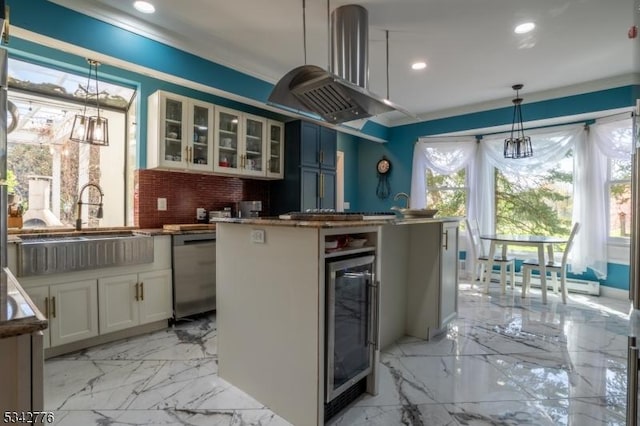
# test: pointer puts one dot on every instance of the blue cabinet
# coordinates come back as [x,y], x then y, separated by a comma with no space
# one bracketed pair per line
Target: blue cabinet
[310,169]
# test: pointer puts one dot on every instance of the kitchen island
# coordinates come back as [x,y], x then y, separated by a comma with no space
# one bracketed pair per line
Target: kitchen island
[272,307]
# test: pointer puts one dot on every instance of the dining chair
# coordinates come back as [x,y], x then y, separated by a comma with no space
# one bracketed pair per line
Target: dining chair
[556,268]
[480,260]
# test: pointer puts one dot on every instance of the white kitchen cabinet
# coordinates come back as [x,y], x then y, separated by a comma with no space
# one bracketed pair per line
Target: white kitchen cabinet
[156,295]
[275,150]
[129,300]
[247,145]
[180,133]
[432,276]
[40,297]
[71,308]
[22,363]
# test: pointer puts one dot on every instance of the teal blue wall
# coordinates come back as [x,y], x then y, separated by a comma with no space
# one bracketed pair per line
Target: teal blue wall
[403,138]
[57,22]
[361,156]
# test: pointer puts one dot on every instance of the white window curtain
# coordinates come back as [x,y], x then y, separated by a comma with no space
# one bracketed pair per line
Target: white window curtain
[549,145]
[606,138]
[444,155]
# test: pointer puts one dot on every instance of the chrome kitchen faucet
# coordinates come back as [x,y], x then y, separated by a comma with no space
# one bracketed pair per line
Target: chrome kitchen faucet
[80,203]
[402,194]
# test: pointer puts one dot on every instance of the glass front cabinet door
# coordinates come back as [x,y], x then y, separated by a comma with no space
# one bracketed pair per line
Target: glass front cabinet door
[253,156]
[275,148]
[172,132]
[227,156]
[180,133]
[200,151]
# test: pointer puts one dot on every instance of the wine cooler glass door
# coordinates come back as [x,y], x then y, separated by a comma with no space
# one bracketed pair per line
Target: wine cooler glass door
[349,323]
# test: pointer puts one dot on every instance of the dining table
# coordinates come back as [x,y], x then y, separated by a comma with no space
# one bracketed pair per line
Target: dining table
[537,241]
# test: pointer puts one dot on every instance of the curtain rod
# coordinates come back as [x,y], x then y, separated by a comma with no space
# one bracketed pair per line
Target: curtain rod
[478,137]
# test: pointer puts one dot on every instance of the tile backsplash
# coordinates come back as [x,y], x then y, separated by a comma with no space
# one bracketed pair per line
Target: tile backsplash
[185,192]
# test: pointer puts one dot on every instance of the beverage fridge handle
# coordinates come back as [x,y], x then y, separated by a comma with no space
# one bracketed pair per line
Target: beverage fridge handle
[377,311]
[374,317]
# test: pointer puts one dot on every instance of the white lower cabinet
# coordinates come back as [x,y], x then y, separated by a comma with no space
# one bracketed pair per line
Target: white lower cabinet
[134,299]
[71,308]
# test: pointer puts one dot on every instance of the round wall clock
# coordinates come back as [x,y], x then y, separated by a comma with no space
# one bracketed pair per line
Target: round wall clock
[383,168]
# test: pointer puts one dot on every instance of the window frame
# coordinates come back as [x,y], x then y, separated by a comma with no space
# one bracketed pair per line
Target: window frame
[613,240]
[449,188]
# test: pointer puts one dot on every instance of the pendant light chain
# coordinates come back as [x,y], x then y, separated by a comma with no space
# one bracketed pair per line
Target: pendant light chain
[95,64]
[304,30]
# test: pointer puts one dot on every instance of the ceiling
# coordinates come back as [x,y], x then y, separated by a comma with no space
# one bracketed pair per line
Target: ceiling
[473,55]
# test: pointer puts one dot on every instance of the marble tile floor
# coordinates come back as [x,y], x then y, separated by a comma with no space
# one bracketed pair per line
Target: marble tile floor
[504,361]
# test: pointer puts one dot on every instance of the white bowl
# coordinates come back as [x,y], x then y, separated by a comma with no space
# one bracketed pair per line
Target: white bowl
[357,242]
[331,244]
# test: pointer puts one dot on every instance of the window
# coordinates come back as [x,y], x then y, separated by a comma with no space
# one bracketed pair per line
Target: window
[619,198]
[46,169]
[539,204]
[447,193]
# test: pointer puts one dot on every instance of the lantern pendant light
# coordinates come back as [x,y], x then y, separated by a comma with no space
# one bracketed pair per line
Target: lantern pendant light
[93,129]
[517,145]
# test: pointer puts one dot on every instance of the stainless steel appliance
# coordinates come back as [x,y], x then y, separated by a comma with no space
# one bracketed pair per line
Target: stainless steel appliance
[194,274]
[633,352]
[249,208]
[4,204]
[351,329]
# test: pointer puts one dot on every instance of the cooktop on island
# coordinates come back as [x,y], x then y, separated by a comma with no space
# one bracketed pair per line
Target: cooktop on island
[328,215]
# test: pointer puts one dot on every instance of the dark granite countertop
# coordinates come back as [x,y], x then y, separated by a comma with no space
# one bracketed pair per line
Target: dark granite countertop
[23,317]
[274,221]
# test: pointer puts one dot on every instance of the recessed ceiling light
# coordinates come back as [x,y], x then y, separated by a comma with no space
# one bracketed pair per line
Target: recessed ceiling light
[418,65]
[144,6]
[524,28]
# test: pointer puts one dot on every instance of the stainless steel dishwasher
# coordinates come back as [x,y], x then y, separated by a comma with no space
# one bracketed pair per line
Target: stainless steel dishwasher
[194,273]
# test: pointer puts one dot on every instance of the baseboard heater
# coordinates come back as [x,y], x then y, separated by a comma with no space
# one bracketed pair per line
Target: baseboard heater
[573,285]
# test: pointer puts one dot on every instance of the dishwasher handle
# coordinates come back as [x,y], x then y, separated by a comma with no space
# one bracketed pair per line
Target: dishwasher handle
[193,242]
[182,240]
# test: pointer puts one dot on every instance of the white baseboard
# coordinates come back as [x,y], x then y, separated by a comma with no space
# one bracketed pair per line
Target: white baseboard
[614,293]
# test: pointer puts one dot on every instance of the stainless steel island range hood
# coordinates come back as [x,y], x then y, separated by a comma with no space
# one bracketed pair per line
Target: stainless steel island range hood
[342,96]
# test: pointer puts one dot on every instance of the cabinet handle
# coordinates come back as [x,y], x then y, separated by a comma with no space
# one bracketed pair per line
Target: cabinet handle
[142,290]
[321,185]
[186,153]
[53,306]
[46,307]
[137,292]
[321,156]
[446,240]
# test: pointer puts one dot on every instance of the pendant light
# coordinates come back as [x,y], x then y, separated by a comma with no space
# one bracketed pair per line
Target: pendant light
[93,129]
[517,145]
